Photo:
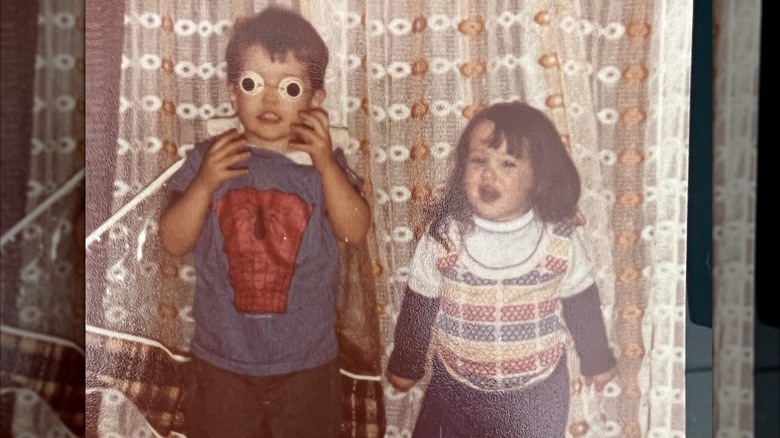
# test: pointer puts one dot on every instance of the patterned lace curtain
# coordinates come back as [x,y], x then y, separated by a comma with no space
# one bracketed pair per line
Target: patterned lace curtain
[736,51]
[613,76]
[43,158]
[404,78]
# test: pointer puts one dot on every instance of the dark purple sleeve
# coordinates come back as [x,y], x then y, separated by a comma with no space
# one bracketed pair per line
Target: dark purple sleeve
[413,335]
[582,313]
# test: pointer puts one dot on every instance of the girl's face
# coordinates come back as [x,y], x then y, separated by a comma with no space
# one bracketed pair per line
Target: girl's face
[498,185]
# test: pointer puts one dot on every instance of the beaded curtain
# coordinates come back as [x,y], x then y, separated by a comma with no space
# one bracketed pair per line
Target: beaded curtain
[404,78]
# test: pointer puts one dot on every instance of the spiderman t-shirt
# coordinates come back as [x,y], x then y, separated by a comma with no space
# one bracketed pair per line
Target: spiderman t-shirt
[267,268]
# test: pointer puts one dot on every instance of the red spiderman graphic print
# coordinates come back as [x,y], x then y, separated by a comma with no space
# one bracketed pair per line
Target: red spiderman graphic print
[263,231]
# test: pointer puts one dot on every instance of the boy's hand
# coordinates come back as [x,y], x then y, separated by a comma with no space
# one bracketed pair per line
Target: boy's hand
[399,383]
[313,137]
[347,211]
[600,380]
[226,151]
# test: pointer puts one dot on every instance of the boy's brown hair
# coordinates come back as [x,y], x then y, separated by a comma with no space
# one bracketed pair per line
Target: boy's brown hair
[280,31]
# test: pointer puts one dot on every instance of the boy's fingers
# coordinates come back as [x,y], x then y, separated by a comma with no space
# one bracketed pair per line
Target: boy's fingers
[324,119]
[303,147]
[236,158]
[307,134]
[232,173]
[309,123]
[225,139]
[236,145]
[320,113]
[226,136]
[232,147]
[318,119]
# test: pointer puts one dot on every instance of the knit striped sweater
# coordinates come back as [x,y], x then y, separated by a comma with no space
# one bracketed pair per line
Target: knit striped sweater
[496,334]
[498,291]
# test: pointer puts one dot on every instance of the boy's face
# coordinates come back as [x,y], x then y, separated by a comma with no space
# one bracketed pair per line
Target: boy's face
[268,114]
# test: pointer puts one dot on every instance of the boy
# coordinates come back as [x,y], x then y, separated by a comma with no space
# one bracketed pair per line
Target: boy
[264,232]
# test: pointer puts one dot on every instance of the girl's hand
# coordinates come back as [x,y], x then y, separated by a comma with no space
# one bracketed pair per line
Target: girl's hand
[399,383]
[217,166]
[314,137]
[600,380]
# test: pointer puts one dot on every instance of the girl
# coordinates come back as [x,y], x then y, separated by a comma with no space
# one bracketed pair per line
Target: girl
[497,284]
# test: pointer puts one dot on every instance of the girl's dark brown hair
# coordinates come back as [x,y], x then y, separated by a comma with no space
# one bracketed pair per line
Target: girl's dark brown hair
[280,31]
[529,134]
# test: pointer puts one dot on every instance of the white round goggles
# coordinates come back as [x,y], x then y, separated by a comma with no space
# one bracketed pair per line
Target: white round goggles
[289,88]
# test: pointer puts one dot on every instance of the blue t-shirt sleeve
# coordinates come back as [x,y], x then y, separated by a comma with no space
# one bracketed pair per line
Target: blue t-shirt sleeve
[186,173]
[341,159]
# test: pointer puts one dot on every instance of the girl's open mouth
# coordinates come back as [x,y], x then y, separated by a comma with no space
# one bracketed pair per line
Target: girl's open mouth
[488,194]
